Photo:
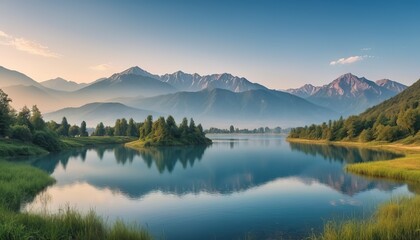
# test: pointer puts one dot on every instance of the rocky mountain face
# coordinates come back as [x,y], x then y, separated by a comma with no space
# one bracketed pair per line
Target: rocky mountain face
[304,91]
[195,82]
[391,85]
[349,94]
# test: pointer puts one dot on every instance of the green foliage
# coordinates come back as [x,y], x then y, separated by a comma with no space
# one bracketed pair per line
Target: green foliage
[63,130]
[24,118]
[82,130]
[166,132]
[13,148]
[397,219]
[366,135]
[20,183]
[392,120]
[74,131]
[21,133]
[36,119]
[5,116]
[47,140]
[99,130]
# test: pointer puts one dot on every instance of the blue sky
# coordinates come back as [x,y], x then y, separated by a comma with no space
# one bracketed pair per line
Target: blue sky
[280,44]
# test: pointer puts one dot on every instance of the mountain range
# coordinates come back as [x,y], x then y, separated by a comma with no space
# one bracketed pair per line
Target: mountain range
[61,84]
[93,113]
[349,94]
[216,99]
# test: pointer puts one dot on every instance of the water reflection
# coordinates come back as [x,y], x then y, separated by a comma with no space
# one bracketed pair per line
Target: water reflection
[165,158]
[343,153]
[260,184]
[224,170]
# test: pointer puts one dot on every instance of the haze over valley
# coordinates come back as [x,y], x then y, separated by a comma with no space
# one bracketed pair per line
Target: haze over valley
[215,100]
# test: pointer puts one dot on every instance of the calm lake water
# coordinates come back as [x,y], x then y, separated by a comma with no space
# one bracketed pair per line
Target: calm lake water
[242,186]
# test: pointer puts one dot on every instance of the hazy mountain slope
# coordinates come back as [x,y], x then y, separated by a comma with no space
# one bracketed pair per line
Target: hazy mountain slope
[10,77]
[94,113]
[195,82]
[410,97]
[391,85]
[217,107]
[31,95]
[304,91]
[124,84]
[61,84]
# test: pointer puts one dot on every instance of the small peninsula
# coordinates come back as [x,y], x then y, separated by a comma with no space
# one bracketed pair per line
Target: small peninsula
[167,133]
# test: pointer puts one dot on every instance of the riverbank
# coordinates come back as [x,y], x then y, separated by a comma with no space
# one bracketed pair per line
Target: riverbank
[396,219]
[406,168]
[20,183]
[142,144]
[10,148]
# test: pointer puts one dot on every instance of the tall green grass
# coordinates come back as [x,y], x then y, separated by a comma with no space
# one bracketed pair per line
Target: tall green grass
[397,219]
[405,169]
[12,148]
[20,183]
[94,140]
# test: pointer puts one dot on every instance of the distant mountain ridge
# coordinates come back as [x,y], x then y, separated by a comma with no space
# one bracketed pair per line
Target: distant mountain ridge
[349,94]
[195,82]
[220,106]
[93,113]
[63,85]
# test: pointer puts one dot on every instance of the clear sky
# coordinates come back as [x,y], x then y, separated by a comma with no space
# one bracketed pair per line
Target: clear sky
[280,44]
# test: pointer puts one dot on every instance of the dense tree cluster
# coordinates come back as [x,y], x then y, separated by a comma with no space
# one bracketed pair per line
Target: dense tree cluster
[167,132]
[394,119]
[232,129]
[121,128]
[365,128]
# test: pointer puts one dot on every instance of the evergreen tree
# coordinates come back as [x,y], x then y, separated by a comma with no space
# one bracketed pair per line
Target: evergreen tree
[63,130]
[117,128]
[191,128]
[36,119]
[123,127]
[83,131]
[131,129]
[24,118]
[100,130]
[232,129]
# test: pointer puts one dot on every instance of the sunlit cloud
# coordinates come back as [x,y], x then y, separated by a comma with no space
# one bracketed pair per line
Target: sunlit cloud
[101,67]
[349,60]
[27,46]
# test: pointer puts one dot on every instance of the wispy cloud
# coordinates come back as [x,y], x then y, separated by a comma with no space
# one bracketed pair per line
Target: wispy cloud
[101,67]
[349,60]
[27,46]
[366,49]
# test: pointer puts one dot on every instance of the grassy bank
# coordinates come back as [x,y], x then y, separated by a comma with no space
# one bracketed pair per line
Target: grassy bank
[95,140]
[406,168]
[397,219]
[16,148]
[142,143]
[20,183]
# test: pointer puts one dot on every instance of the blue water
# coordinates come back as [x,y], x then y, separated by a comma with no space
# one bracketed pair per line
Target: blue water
[242,186]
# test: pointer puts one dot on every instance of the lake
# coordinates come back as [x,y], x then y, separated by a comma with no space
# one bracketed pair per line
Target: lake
[242,186]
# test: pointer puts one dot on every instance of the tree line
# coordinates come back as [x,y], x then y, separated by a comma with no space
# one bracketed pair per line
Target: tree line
[365,128]
[167,132]
[232,129]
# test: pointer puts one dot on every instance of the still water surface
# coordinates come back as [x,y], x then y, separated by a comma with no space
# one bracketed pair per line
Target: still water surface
[242,186]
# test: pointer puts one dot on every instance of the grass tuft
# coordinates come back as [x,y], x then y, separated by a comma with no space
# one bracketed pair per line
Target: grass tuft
[397,219]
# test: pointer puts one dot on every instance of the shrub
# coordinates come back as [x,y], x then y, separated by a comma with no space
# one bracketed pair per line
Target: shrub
[47,140]
[21,132]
